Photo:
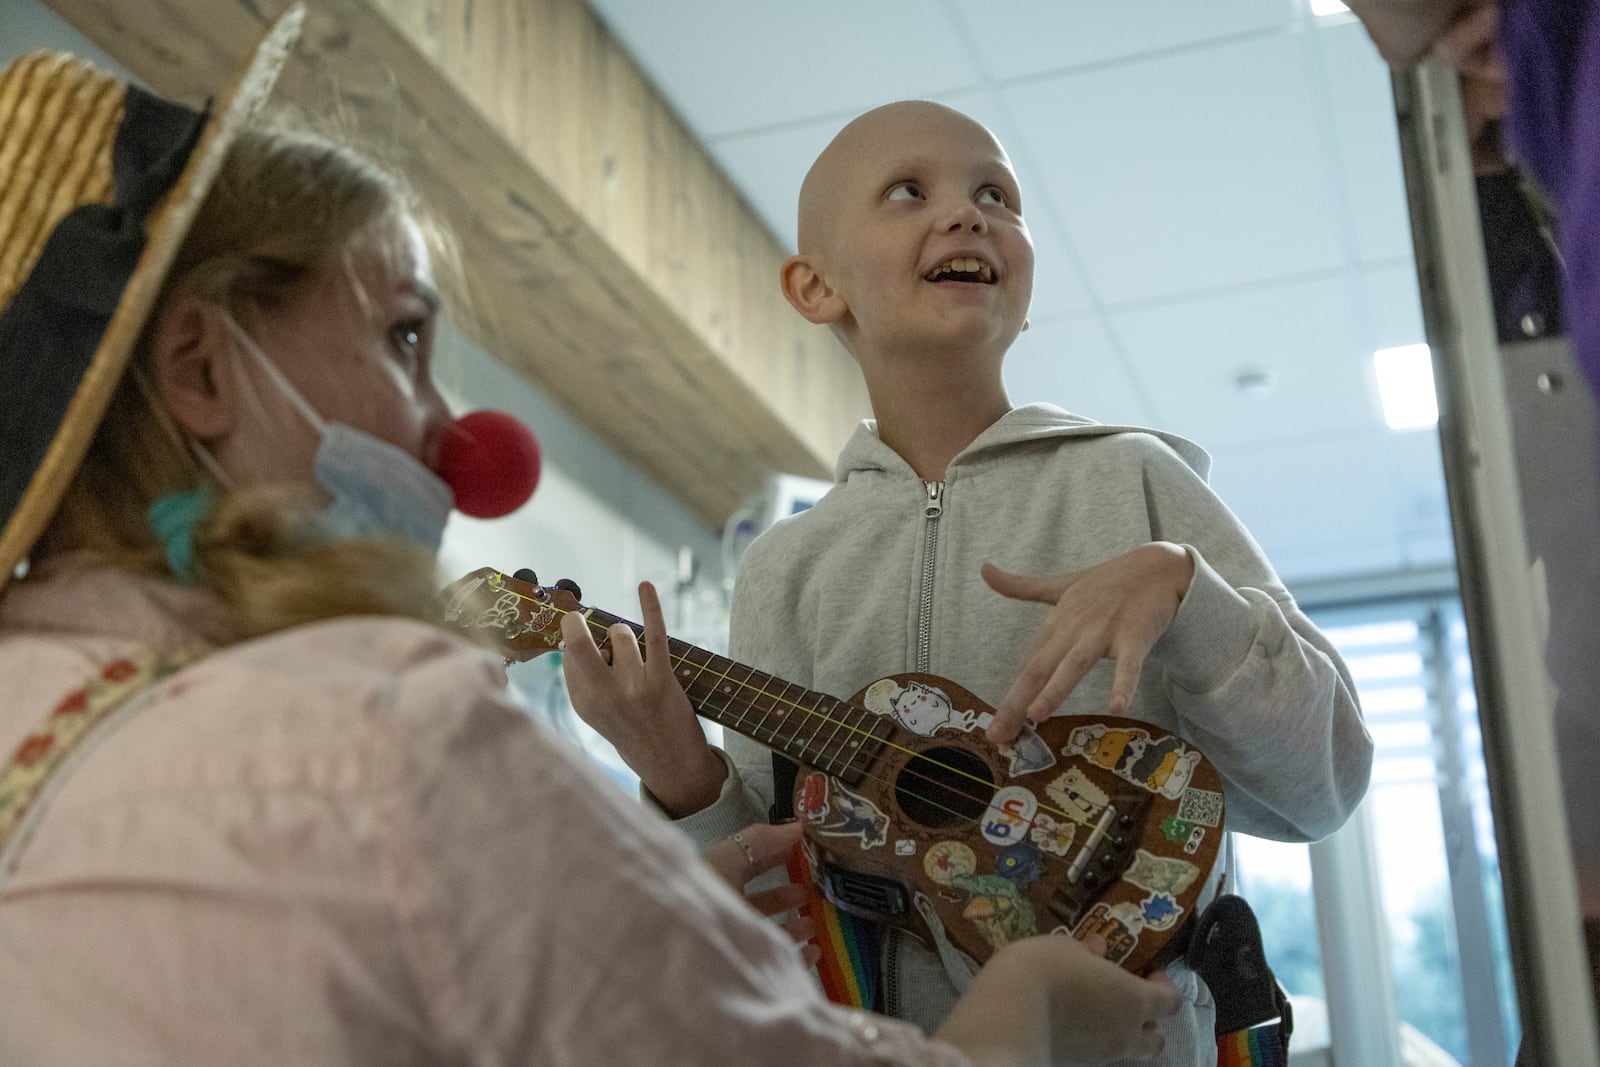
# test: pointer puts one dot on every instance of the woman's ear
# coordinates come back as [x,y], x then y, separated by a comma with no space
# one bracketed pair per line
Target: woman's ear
[809,293]
[192,358]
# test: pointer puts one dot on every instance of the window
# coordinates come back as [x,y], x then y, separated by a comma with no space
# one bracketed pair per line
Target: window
[1427,837]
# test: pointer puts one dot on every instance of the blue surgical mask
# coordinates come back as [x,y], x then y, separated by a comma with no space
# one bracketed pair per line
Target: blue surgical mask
[378,490]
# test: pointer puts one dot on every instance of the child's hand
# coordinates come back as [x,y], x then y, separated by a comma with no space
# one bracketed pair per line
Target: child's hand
[637,704]
[1117,610]
[754,851]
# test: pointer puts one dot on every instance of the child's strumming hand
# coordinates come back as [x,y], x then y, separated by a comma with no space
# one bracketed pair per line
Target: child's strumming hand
[1114,610]
[636,703]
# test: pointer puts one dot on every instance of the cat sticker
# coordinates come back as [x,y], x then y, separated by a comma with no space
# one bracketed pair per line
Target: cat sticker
[922,709]
[1163,766]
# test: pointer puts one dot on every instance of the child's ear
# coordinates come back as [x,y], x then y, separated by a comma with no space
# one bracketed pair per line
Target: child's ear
[192,359]
[809,293]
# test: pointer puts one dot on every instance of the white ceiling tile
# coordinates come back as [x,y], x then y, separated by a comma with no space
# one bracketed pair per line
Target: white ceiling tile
[1319,509]
[1024,37]
[769,166]
[1073,364]
[1196,170]
[741,66]
[1188,354]
[1396,306]
[1361,105]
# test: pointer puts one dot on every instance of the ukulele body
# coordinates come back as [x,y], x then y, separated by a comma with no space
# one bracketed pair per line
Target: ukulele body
[1086,826]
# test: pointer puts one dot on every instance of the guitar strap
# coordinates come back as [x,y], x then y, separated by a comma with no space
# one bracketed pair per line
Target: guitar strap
[83,718]
[1254,1019]
[848,967]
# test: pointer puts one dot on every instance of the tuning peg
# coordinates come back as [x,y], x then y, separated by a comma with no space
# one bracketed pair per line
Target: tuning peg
[525,574]
[570,586]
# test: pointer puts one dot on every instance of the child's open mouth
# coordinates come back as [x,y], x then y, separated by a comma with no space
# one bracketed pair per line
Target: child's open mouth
[962,269]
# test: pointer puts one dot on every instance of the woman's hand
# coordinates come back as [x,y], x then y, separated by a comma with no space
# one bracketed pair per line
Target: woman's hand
[754,851]
[635,702]
[1115,610]
[1051,999]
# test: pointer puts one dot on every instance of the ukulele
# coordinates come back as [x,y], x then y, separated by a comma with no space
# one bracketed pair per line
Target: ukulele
[1084,825]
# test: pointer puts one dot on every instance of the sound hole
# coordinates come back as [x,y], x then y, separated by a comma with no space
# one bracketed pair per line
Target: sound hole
[944,787]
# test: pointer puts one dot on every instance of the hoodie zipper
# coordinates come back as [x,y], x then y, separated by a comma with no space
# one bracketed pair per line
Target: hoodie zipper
[930,512]
[891,973]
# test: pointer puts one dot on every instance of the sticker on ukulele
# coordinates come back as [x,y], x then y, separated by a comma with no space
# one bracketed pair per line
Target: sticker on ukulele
[996,908]
[504,616]
[1078,797]
[1028,753]
[946,859]
[1202,806]
[1009,816]
[1118,925]
[1160,874]
[1163,766]
[1020,864]
[1159,911]
[1054,837]
[836,812]
[922,709]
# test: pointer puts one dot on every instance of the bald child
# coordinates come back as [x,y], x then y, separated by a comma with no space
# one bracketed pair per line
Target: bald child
[1051,564]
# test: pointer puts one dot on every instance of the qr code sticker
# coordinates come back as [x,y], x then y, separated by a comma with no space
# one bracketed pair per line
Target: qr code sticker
[1202,806]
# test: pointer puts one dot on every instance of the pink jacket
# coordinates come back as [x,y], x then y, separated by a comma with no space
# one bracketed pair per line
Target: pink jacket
[343,845]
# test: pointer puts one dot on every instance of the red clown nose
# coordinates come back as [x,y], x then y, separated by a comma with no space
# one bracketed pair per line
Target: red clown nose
[491,462]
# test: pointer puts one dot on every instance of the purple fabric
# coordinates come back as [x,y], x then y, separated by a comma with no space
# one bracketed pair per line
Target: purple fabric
[1552,50]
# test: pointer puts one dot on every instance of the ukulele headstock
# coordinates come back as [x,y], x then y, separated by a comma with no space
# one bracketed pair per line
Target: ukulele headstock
[521,619]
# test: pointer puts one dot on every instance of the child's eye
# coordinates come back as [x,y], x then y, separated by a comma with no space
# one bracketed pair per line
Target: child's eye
[904,191]
[990,194]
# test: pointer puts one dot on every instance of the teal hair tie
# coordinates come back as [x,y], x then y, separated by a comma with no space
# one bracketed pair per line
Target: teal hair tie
[172,519]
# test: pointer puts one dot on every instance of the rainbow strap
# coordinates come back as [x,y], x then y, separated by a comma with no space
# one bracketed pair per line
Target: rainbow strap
[848,968]
[1259,1046]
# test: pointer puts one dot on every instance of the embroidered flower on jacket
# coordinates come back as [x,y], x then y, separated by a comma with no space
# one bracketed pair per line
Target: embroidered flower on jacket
[33,749]
[119,670]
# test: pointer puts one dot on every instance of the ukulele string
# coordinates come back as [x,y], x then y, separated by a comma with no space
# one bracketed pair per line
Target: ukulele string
[814,713]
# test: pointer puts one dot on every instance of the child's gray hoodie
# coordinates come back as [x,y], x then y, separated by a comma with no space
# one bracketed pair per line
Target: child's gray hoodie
[882,577]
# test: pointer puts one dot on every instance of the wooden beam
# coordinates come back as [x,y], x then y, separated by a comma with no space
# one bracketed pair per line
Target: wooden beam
[608,259]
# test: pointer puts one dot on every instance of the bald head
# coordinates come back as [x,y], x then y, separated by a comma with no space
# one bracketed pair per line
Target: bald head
[864,141]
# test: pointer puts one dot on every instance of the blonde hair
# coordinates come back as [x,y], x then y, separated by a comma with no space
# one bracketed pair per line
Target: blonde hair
[290,207]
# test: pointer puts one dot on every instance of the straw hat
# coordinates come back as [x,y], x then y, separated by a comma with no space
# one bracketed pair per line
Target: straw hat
[84,160]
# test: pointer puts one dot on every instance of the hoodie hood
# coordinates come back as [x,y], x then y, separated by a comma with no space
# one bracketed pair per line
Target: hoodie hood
[1030,422]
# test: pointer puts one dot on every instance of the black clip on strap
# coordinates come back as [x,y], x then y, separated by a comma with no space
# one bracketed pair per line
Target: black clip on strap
[1225,950]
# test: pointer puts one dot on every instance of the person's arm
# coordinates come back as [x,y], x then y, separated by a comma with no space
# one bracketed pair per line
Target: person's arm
[640,708]
[635,702]
[1254,684]
[1405,30]
[1049,1000]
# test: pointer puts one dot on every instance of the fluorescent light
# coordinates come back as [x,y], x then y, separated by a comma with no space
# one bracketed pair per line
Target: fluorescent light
[1405,383]
[1327,7]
